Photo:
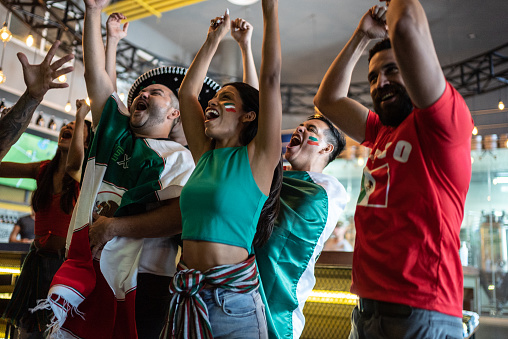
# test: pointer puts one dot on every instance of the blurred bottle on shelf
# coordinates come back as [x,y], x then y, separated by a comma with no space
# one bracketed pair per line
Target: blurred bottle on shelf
[52,123]
[40,120]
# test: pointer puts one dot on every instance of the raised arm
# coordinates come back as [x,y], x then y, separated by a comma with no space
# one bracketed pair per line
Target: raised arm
[267,143]
[190,110]
[76,152]
[415,53]
[241,31]
[19,170]
[115,33]
[331,98]
[98,83]
[38,80]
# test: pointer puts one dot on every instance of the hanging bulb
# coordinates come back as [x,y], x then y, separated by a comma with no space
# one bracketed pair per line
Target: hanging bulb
[29,40]
[2,77]
[62,78]
[500,105]
[87,100]
[5,34]
[68,106]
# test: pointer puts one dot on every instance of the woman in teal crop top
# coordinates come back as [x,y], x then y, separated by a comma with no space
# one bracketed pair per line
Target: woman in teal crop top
[237,147]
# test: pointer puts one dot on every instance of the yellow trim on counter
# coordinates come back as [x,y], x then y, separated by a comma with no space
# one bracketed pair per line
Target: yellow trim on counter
[15,207]
[333,297]
[9,270]
[5,295]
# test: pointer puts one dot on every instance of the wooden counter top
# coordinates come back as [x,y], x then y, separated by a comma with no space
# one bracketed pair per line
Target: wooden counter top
[335,258]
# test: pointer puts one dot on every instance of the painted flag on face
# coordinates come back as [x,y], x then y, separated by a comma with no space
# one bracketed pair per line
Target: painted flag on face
[230,107]
[313,141]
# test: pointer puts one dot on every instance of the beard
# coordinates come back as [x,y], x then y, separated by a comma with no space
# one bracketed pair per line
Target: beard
[153,118]
[394,113]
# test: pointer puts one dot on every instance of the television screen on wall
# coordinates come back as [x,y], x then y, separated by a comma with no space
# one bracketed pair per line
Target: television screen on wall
[29,148]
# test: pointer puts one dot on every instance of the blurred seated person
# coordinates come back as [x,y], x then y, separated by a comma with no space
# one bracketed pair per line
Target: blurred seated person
[337,240]
[24,227]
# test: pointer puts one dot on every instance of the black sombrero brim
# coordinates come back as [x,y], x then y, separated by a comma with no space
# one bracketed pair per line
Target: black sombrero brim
[172,78]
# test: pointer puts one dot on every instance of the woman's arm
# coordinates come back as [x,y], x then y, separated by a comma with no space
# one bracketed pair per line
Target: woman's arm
[241,31]
[14,234]
[115,33]
[266,147]
[76,153]
[19,170]
[191,112]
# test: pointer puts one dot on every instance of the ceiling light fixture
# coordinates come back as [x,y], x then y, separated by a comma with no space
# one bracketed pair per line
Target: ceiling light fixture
[5,34]
[2,75]
[30,40]
[68,105]
[243,2]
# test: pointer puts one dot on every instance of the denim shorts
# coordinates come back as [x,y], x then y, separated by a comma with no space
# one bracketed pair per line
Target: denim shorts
[421,324]
[235,315]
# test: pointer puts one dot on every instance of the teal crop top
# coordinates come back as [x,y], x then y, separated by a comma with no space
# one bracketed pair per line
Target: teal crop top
[221,202]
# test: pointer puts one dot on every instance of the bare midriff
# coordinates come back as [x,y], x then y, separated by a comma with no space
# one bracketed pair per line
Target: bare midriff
[203,255]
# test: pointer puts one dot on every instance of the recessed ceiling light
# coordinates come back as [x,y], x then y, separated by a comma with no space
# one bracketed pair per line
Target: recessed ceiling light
[472,36]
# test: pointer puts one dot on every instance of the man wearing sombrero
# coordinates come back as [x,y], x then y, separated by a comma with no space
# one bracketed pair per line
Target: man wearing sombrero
[131,191]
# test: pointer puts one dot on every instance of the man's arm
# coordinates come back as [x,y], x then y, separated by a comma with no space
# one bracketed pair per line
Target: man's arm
[115,33]
[415,53]
[76,153]
[98,83]
[164,221]
[241,31]
[38,80]
[331,98]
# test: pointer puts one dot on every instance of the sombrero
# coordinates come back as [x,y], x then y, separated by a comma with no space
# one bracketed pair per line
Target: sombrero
[172,78]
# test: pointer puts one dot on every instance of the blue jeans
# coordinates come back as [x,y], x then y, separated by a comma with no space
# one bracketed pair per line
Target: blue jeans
[235,315]
[421,324]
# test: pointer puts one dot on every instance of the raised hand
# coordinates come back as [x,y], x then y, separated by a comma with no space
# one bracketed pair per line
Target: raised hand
[241,31]
[114,26]
[219,26]
[373,23]
[82,109]
[39,78]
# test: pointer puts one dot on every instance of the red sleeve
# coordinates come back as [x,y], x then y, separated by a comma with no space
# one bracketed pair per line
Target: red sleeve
[371,129]
[448,119]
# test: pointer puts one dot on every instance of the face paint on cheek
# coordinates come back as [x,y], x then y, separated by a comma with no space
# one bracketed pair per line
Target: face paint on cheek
[313,141]
[230,107]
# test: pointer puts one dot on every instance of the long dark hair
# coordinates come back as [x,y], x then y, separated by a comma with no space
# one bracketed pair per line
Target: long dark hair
[42,196]
[270,211]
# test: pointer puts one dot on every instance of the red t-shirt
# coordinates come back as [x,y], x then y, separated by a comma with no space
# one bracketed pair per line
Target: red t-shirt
[411,206]
[51,220]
